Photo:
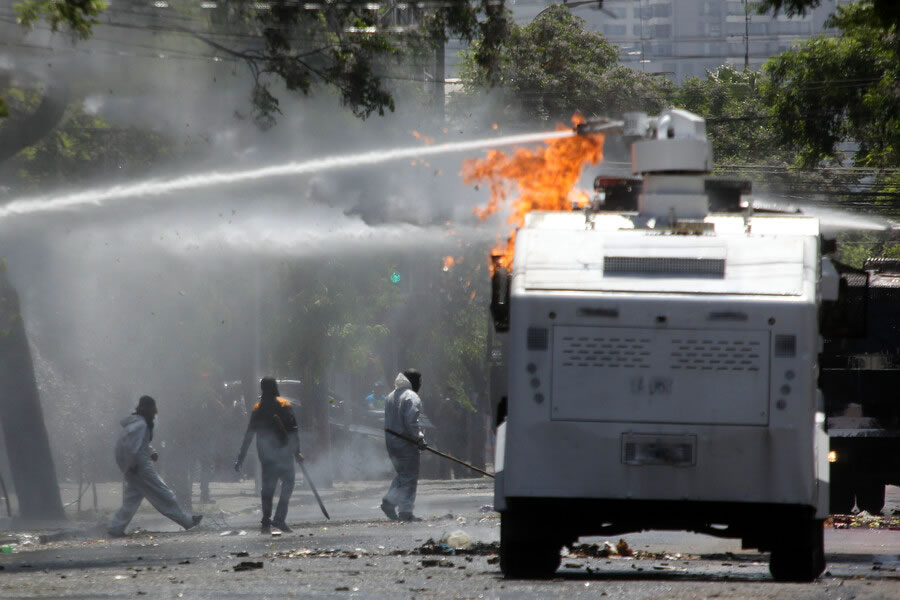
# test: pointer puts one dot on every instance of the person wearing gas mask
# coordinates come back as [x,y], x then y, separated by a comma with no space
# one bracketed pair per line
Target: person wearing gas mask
[135,457]
[278,445]
[402,408]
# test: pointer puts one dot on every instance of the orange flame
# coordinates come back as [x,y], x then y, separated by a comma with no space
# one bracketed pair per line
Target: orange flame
[544,178]
[425,138]
[449,261]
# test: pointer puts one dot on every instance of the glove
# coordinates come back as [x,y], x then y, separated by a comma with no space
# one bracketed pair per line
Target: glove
[299,457]
[237,465]
[154,456]
[422,444]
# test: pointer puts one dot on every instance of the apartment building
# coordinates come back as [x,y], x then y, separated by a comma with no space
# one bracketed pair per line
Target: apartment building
[684,38]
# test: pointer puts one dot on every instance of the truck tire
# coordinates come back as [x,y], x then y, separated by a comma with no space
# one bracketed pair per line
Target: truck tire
[524,551]
[870,496]
[840,496]
[800,555]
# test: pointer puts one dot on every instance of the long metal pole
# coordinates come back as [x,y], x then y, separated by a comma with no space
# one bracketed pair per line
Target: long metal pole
[439,453]
[313,488]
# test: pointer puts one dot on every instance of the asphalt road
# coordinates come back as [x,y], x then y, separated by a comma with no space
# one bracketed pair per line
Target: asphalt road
[359,554]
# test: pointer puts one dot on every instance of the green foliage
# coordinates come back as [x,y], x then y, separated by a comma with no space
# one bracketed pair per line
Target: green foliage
[78,16]
[554,66]
[736,115]
[347,47]
[3,110]
[83,147]
[886,12]
[835,89]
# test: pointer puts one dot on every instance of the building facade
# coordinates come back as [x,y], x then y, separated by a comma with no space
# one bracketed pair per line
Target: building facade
[685,38]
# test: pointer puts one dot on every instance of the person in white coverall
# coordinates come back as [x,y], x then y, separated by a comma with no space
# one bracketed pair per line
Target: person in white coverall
[135,458]
[402,408]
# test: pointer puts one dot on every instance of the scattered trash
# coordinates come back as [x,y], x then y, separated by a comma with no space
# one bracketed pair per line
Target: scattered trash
[433,547]
[458,540]
[240,554]
[461,520]
[430,562]
[623,549]
[863,519]
[487,508]
[248,565]
[493,560]
[6,549]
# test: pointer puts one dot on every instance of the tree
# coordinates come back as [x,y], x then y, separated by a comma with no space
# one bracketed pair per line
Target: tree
[737,117]
[886,12]
[554,66]
[21,416]
[346,46]
[831,90]
[76,16]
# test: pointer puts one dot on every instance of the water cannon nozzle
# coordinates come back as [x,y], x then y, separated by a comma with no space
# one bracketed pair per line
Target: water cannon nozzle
[598,126]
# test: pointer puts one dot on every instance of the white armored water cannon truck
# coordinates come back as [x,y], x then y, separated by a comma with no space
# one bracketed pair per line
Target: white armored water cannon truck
[662,365]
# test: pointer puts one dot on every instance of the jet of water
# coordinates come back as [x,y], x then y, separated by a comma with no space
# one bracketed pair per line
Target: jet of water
[156,187]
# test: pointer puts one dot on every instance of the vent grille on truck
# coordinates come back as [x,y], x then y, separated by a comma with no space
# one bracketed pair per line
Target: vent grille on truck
[602,352]
[713,354]
[672,267]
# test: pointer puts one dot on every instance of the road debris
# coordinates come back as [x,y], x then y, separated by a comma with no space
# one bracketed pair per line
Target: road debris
[474,548]
[863,519]
[458,540]
[248,565]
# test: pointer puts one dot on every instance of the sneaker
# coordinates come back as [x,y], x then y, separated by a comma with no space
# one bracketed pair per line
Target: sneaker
[265,529]
[195,520]
[115,533]
[408,516]
[282,526]
[389,510]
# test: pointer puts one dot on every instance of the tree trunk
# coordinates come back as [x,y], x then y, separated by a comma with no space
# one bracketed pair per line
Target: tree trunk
[27,443]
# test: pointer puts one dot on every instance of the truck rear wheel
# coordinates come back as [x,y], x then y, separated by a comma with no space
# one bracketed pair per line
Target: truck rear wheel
[525,550]
[870,496]
[800,555]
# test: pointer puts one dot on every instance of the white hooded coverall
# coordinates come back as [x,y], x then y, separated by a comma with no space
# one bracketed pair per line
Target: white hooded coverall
[402,408]
[133,452]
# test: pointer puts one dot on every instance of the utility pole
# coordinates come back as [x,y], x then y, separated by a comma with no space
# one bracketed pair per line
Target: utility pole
[439,78]
[746,35]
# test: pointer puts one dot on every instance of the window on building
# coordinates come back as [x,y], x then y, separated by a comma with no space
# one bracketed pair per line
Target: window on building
[662,31]
[711,8]
[636,30]
[736,7]
[735,28]
[713,29]
[661,49]
[759,28]
[615,29]
[661,10]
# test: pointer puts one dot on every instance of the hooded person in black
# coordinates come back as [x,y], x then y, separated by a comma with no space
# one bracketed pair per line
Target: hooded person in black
[278,445]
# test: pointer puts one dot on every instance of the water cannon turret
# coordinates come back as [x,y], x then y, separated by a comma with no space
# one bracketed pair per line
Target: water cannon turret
[672,154]
[674,142]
